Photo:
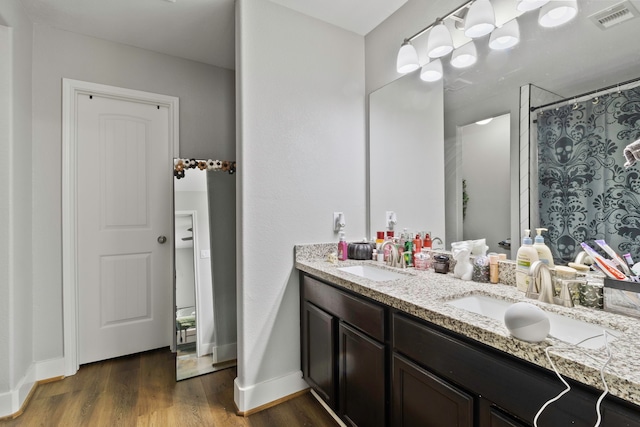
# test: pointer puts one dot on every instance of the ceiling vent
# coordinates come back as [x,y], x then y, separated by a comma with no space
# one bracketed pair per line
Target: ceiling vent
[614,15]
[456,85]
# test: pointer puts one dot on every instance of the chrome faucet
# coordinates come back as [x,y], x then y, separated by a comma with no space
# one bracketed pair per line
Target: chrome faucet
[541,286]
[396,257]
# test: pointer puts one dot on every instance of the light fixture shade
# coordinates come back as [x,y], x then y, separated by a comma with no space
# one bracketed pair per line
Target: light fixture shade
[484,122]
[557,12]
[440,42]
[506,36]
[407,58]
[432,71]
[527,5]
[464,56]
[480,20]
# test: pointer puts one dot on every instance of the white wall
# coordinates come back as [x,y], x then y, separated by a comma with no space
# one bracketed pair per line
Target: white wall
[206,130]
[301,151]
[16,349]
[185,278]
[485,167]
[222,217]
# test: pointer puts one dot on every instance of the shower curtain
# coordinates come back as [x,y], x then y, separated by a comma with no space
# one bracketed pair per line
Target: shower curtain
[585,193]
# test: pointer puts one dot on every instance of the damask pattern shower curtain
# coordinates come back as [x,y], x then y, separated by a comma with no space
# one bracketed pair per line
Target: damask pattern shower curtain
[585,193]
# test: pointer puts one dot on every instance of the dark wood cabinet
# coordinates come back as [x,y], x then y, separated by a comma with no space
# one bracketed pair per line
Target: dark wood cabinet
[376,366]
[421,399]
[362,370]
[344,355]
[318,345]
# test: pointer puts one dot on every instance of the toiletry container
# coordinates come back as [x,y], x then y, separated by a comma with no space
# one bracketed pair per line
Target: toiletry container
[481,269]
[417,247]
[426,243]
[544,253]
[441,264]
[342,248]
[422,260]
[526,256]
[493,268]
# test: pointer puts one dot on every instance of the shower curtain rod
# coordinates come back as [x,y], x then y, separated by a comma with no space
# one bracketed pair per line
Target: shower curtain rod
[617,85]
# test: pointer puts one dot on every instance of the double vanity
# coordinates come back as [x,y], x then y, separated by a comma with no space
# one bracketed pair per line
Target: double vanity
[399,347]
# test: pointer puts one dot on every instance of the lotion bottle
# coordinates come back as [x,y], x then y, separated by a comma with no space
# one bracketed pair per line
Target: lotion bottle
[526,256]
[342,248]
[544,253]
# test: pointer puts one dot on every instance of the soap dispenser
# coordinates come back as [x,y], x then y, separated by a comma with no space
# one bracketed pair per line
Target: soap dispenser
[544,253]
[526,256]
[342,248]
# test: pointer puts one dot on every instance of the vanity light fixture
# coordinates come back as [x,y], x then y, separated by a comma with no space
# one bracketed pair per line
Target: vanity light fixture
[506,36]
[464,56]
[480,19]
[558,12]
[527,5]
[484,122]
[407,58]
[431,71]
[439,43]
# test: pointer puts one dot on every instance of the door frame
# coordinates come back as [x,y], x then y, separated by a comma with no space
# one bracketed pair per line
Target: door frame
[196,273]
[71,89]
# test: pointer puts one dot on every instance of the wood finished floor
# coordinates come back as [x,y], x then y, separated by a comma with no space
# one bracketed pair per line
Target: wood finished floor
[141,390]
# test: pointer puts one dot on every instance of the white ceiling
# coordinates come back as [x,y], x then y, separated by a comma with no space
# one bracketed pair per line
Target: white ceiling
[200,30]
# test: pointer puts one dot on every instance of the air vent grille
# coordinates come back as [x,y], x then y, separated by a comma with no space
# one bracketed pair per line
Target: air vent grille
[614,15]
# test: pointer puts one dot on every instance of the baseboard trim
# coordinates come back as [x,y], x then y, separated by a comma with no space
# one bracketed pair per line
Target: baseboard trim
[327,408]
[248,399]
[14,402]
[271,404]
[223,353]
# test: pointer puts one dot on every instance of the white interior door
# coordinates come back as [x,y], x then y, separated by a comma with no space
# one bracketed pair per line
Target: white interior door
[124,208]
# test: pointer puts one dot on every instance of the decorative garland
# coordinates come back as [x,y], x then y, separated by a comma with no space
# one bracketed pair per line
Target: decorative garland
[181,165]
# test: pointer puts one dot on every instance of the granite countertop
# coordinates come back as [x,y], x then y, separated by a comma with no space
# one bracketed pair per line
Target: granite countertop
[424,294]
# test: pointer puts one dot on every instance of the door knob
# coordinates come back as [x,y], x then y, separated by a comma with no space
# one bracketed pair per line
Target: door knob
[161,239]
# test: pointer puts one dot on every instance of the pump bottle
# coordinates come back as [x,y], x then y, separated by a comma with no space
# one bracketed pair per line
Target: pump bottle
[526,256]
[342,248]
[544,253]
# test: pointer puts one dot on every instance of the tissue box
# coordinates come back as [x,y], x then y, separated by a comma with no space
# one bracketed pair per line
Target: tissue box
[622,297]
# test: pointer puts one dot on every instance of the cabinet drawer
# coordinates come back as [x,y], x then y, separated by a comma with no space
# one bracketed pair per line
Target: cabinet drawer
[364,315]
[511,384]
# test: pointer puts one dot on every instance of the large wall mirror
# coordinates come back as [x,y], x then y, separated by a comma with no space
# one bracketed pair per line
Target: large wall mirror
[566,61]
[406,173]
[205,310]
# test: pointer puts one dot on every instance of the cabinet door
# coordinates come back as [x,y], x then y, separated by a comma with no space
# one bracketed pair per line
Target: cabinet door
[421,399]
[318,352]
[362,378]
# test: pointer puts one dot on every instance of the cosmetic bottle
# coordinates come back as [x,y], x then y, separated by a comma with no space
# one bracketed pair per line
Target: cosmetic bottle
[426,243]
[342,248]
[493,268]
[379,239]
[527,255]
[544,253]
[417,247]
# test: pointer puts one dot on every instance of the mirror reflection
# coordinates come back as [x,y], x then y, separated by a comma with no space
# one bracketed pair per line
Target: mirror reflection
[485,182]
[586,192]
[567,61]
[199,329]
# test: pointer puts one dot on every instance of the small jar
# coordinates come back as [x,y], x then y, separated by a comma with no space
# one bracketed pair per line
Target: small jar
[441,264]
[481,269]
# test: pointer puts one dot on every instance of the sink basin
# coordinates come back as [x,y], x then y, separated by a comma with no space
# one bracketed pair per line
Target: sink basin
[371,273]
[564,328]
